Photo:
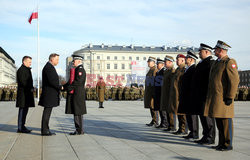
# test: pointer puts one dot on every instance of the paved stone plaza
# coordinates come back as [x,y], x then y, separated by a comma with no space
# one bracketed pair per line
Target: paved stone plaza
[116,132]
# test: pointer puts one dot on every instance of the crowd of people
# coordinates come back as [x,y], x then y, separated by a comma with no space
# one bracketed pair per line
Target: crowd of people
[205,91]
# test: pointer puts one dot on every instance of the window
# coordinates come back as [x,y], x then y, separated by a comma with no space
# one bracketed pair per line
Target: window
[123,66]
[108,66]
[115,66]
[98,57]
[115,76]
[123,57]
[130,58]
[123,76]
[98,66]
[144,58]
[88,57]
[137,58]
[115,58]
[130,66]
[108,57]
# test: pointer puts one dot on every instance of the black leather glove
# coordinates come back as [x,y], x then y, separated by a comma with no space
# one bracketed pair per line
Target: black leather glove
[228,101]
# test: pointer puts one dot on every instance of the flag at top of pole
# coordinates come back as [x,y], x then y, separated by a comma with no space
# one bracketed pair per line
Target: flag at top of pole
[33,15]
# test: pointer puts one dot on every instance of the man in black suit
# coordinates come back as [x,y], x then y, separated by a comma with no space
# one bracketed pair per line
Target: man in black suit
[200,87]
[25,98]
[50,92]
[185,96]
[75,103]
[158,81]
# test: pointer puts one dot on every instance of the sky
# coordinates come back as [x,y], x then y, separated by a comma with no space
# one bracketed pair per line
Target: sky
[66,26]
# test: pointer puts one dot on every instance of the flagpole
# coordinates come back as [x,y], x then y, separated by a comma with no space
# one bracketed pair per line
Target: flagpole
[38,58]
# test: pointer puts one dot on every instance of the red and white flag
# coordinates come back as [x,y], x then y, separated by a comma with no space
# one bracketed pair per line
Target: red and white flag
[33,15]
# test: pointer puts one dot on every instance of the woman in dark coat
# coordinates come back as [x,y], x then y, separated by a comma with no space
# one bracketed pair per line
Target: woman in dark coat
[25,98]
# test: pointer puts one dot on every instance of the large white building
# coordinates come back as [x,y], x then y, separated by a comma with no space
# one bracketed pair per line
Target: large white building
[114,63]
[7,69]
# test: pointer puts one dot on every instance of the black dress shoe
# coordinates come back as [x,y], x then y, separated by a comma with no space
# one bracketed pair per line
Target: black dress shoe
[179,133]
[23,131]
[170,130]
[101,107]
[204,141]
[187,137]
[24,128]
[48,133]
[161,126]
[76,133]
[150,124]
[215,147]
[224,148]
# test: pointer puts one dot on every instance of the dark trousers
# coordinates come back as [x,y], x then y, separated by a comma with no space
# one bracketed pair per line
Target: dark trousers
[164,119]
[100,104]
[45,119]
[182,123]
[78,120]
[225,128]
[208,125]
[22,114]
[193,125]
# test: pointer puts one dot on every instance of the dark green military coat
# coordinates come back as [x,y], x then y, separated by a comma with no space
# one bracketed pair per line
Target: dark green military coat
[149,88]
[175,90]
[165,92]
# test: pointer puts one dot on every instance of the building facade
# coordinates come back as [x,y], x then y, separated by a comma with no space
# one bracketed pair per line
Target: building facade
[7,69]
[244,78]
[114,63]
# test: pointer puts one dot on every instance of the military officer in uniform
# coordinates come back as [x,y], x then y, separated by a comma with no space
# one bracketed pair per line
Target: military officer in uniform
[149,89]
[114,92]
[199,90]
[120,91]
[126,93]
[174,94]
[222,88]
[185,96]
[158,80]
[165,91]
[75,103]
[100,90]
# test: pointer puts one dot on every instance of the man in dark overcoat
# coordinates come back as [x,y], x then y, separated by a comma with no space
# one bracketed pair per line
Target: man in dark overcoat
[25,98]
[50,92]
[158,81]
[199,90]
[185,96]
[76,103]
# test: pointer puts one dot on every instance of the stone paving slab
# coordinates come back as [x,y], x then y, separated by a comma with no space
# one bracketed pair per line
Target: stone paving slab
[116,132]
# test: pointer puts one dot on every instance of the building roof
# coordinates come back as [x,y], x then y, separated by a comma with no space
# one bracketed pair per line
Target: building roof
[6,54]
[134,48]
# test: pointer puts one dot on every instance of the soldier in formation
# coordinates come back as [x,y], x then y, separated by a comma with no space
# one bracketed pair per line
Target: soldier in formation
[100,90]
